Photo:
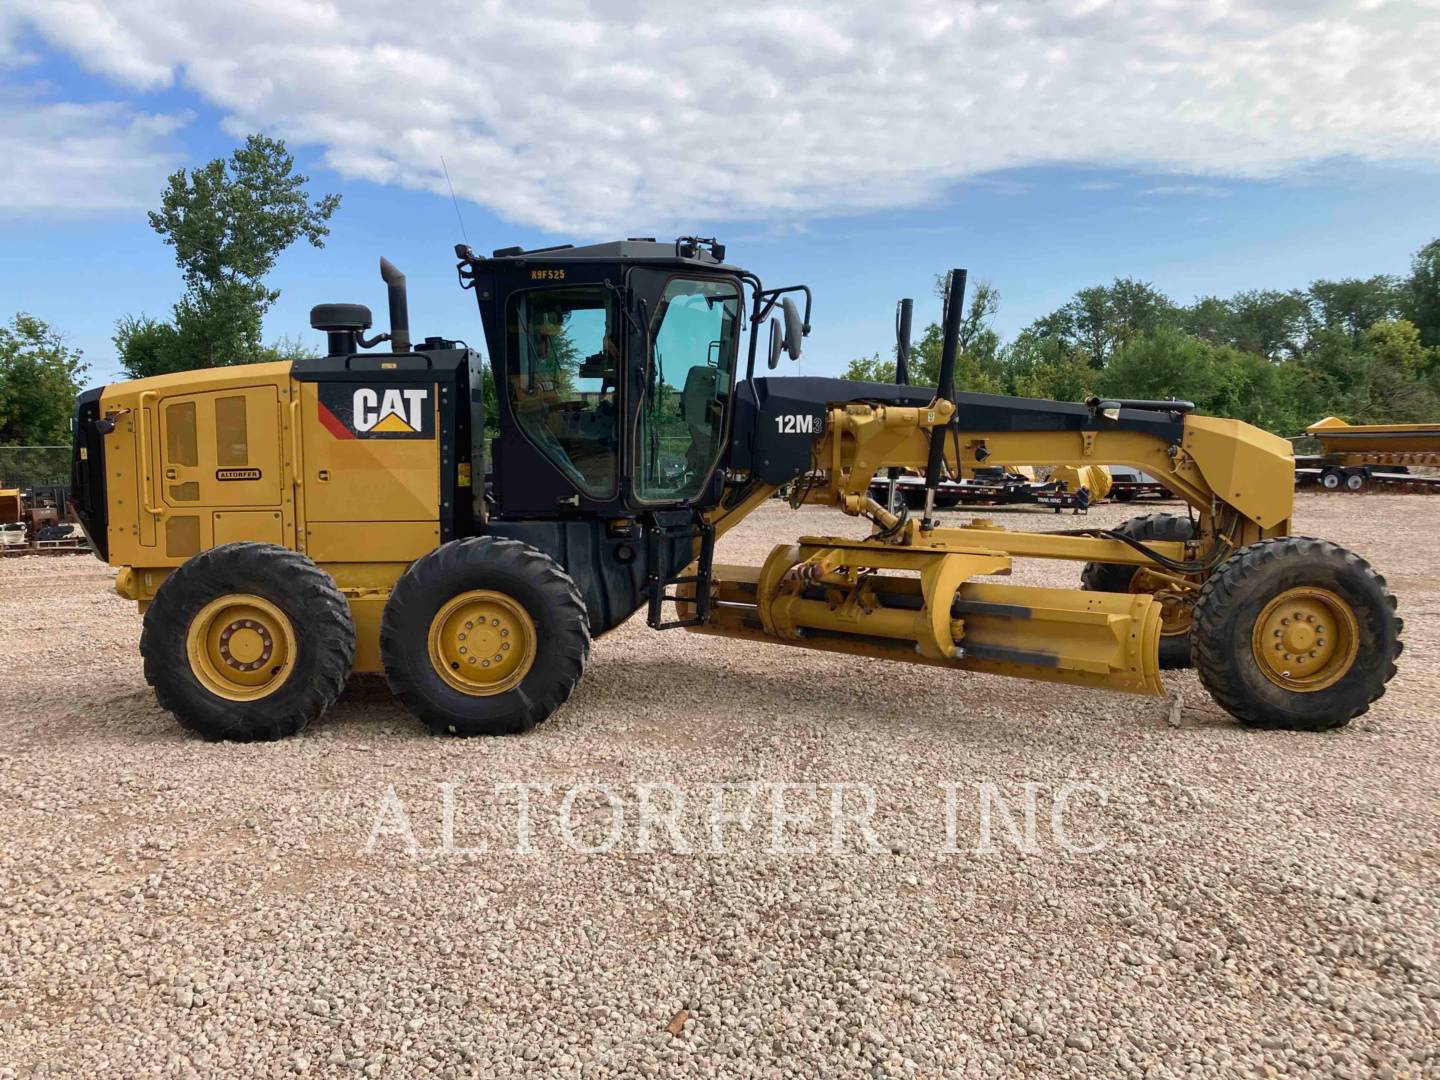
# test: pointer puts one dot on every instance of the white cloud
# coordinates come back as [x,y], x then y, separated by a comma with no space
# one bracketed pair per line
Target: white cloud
[60,157]
[591,117]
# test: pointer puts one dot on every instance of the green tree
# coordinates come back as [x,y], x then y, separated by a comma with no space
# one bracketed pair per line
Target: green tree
[1422,293]
[1041,366]
[1268,322]
[977,365]
[1394,388]
[39,378]
[228,221]
[1101,318]
[1168,363]
[870,369]
[1354,304]
[1105,317]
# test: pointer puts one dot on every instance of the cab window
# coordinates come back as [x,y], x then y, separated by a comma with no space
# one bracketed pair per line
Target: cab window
[693,337]
[563,381]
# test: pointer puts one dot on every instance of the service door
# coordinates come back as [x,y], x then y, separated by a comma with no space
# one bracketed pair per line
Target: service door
[221,449]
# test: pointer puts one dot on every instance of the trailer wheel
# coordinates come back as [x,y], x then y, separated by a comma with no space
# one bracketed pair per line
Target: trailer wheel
[1175,611]
[248,642]
[1356,479]
[1295,633]
[484,636]
[1331,479]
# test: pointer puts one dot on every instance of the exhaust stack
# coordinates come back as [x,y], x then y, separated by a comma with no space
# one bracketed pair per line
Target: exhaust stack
[904,313]
[399,306]
[950,346]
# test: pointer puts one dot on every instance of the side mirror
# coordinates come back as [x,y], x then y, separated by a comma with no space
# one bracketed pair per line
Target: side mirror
[794,328]
[775,344]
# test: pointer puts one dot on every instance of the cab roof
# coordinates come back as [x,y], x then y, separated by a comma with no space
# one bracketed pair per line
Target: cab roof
[634,249]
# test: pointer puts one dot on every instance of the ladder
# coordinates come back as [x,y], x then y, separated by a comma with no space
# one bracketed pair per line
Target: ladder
[664,529]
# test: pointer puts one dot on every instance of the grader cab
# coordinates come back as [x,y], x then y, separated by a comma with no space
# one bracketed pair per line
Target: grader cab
[282,525]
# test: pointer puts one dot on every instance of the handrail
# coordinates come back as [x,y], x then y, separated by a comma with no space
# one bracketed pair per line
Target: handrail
[146,480]
[295,469]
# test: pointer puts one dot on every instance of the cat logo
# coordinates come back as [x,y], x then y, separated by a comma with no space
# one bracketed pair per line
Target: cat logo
[390,411]
[395,412]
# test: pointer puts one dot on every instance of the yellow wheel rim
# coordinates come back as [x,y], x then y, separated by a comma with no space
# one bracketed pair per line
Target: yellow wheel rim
[241,647]
[482,642]
[1306,639]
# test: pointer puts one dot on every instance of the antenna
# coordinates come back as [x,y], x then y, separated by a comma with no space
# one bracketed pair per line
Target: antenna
[463,234]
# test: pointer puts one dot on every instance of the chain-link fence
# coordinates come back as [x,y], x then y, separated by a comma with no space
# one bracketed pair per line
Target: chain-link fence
[34,466]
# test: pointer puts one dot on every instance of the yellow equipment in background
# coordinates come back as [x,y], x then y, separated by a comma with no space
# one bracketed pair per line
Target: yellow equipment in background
[284,524]
[1094,478]
[1355,456]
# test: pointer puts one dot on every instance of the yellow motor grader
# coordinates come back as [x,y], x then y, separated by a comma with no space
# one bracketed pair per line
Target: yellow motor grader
[284,524]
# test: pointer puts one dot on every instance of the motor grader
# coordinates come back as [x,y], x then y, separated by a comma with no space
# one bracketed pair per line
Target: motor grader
[283,525]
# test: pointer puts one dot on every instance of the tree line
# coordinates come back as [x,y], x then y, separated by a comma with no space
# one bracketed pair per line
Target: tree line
[1364,349]
[1367,350]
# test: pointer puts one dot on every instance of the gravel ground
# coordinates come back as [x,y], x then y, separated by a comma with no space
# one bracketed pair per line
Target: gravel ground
[1259,904]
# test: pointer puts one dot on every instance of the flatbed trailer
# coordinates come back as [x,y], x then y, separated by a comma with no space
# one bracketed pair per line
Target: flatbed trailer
[1355,457]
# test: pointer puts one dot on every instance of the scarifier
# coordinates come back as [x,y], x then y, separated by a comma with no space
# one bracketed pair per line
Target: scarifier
[284,524]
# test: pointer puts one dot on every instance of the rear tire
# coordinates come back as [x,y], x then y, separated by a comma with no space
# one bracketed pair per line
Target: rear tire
[484,636]
[1337,610]
[1116,577]
[248,642]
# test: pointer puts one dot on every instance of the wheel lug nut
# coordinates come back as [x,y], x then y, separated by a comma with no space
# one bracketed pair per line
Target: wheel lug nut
[494,622]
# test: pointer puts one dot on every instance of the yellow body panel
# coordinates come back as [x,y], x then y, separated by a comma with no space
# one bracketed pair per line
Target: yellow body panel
[365,479]
[202,458]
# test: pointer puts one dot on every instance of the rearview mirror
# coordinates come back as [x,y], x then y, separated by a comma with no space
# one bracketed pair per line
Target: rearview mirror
[794,328]
[775,344]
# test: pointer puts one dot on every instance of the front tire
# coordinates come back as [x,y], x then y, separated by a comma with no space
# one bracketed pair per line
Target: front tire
[1295,633]
[1116,577]
[484,636]
[248,642]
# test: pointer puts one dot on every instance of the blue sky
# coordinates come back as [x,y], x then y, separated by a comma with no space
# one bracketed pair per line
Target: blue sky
[1085,141]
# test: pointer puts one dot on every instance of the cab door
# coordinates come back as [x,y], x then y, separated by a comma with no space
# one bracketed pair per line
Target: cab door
[686,385]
